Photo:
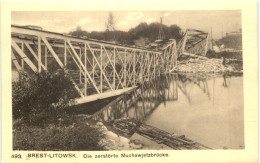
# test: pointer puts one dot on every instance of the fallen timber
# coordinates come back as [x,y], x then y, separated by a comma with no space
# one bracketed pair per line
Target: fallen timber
[130,126]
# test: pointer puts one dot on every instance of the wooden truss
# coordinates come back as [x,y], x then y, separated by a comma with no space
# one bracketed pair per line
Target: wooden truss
[193,42]
[98,69]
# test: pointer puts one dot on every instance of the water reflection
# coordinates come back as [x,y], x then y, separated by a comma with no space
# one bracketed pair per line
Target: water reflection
[141,102]
[206,108]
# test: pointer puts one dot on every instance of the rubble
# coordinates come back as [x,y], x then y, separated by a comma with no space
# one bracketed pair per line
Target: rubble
[113,141]
[204,65]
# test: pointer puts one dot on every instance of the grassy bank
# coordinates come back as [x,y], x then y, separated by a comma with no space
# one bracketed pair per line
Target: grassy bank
[40,119]
[77,136]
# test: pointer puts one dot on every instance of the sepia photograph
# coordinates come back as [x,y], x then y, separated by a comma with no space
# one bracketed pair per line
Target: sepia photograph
[127,80]
[120,81]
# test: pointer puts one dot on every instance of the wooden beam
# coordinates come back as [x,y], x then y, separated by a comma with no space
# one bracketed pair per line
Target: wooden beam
[100,67]
[45,57]
[21,53]
[102,95]
[16,64]
[206,45]
[80,57]
[134,68]
[85,75]
[31,42]
[81,64]
[39,54]
[27,31]
[22,58]
[113,66]
[33,53]
[65,54]
[52,51]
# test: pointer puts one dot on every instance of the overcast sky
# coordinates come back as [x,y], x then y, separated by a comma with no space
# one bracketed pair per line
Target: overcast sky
[56,21]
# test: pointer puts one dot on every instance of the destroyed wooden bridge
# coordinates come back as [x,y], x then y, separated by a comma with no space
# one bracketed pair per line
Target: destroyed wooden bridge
[98,69]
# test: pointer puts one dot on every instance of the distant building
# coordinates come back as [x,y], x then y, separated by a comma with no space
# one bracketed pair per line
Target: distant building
[236,33]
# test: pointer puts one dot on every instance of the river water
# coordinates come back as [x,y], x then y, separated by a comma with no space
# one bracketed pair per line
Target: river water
[206,108]
[211,116]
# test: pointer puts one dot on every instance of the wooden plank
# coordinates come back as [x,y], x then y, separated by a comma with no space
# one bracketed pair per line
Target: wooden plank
[102,95]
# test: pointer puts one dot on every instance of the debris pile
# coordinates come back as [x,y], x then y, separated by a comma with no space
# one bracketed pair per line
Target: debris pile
[194,65]
[112,141]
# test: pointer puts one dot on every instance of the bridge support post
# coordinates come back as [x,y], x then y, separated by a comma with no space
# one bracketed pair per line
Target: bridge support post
[148,65]
[114,70]
[45,57]
[22,47]
[125,68]
[39,54]
[134,69]
[184,42]
[65,54]
[80,69]
[101,69]
[206,45]
[85,74]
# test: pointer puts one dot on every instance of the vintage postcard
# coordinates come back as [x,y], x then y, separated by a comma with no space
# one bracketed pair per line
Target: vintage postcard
[123,81]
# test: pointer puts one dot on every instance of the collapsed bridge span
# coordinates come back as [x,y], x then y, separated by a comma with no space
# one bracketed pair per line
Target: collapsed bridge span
[98,69]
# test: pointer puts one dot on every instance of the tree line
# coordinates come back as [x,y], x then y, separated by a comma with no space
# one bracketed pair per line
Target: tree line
[141,35]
